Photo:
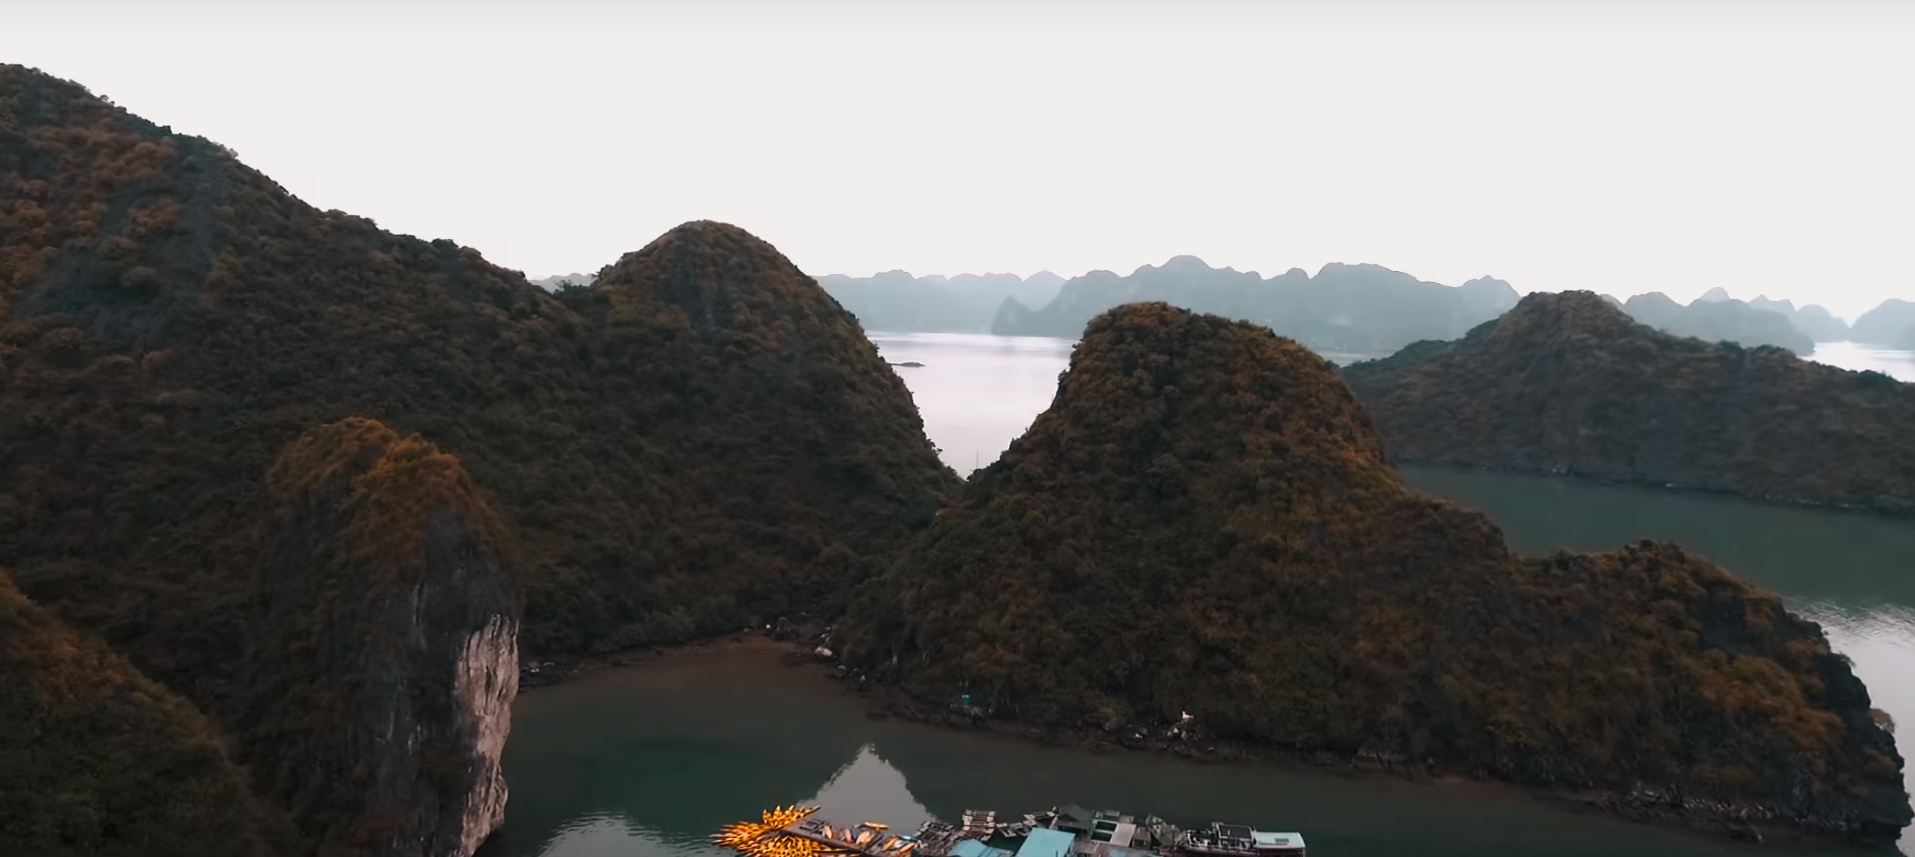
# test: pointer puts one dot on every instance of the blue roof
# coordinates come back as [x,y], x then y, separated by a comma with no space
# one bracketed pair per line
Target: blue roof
[1045,842]
[976,848]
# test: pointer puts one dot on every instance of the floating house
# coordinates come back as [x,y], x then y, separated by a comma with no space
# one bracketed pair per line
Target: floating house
[1067,831]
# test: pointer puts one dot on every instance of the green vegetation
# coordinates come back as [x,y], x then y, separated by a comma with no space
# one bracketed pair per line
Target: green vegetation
[293,466]
[700,439]
[1204,521]
[1567,384]
[100,760]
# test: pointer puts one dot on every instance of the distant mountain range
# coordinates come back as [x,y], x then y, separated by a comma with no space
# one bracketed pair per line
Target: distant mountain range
[1359,308]
[555,281]
[966,303]
[1356,308]
[1891,323]
[1718,318]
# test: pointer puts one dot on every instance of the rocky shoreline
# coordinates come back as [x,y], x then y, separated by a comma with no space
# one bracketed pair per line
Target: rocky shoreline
[797,643]
[1644,804]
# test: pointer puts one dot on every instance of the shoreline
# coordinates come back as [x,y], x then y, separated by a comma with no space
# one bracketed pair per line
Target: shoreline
[882,702]
[561,669]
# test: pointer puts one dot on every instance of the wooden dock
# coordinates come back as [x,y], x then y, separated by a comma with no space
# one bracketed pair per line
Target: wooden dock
[862,839]
[979,823]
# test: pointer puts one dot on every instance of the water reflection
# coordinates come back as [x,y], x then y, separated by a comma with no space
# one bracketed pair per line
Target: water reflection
[662,796]
[602,835]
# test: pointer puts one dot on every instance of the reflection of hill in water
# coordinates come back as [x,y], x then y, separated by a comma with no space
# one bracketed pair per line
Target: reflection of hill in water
[870,789]
[657,815]
[674,750]
[649,762]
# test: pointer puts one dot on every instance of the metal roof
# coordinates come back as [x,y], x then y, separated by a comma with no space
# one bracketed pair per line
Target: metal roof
[1045,842]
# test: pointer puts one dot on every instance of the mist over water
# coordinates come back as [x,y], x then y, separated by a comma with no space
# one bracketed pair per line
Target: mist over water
[648,762]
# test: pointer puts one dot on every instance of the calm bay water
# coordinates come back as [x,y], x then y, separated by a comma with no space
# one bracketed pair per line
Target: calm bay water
[650,761]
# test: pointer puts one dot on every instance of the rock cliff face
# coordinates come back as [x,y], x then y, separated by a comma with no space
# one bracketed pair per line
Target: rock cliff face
[1566,384]
[1203,522]
[98,759]
[388,659]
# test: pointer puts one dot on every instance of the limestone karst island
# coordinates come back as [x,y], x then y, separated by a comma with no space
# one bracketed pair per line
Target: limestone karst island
[1393,524]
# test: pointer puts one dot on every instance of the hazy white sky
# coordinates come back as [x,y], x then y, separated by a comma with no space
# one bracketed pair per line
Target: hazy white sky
[1620,145]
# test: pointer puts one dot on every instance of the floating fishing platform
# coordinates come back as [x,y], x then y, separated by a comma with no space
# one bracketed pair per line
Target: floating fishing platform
[1067,831]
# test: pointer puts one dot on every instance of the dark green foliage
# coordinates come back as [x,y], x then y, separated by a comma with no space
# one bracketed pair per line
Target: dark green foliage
[97,759]
[1567,384]
[1203,521]
[702,438]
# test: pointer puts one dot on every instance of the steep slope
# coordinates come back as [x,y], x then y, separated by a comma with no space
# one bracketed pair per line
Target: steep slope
[1203,522]
[98,759]
[385,660]
[1566,384]
[701,438]
[1359,308]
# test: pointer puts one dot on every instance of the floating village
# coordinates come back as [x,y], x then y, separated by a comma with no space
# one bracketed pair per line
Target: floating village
[1066,831]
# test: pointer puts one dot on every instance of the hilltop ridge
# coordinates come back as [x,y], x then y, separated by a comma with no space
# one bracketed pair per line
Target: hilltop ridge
[1567,384]
[700,440]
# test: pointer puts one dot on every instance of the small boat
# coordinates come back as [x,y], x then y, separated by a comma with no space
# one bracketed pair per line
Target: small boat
[877,826]
[1239,840]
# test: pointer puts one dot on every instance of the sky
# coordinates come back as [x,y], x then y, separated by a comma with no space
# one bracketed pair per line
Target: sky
[1618,145]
